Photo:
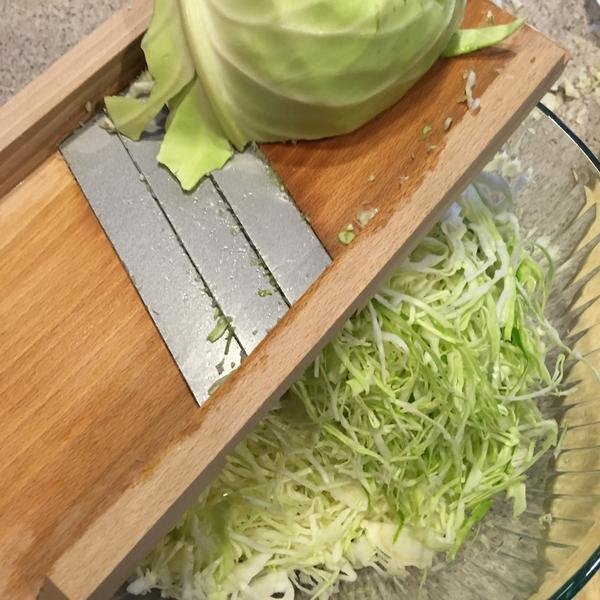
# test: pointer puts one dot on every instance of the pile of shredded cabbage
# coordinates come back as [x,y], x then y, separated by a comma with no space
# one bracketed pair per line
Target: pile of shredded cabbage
[391,447]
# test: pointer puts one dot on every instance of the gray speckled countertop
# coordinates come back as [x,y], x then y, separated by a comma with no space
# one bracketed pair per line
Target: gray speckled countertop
[575,24]
[33,33]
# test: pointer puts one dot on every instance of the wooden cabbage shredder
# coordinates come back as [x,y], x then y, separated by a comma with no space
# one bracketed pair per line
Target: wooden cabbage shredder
[105,446]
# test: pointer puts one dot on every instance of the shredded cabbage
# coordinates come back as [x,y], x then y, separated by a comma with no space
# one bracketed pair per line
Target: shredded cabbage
[273,70]
[393,444]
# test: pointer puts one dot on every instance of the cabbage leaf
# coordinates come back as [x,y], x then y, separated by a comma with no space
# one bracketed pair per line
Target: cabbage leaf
[191,119]
[169,64]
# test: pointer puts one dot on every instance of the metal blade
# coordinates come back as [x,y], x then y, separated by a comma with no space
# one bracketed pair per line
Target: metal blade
[237,243]
[218,248]
[277,228]
[159,266]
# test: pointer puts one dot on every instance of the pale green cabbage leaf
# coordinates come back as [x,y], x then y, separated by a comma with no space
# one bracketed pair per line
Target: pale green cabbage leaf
[465,41]
[275,70]
[168,62]
[393,444]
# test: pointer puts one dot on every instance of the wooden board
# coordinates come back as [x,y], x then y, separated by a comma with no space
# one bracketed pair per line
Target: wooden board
[385,162]
[88,389]
[323,177]
[108,449]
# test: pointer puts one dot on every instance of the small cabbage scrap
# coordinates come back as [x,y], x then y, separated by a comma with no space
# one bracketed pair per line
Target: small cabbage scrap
[277,70]
[393,444]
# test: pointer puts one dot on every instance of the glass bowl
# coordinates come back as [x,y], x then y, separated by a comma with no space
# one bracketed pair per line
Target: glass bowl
[537,555]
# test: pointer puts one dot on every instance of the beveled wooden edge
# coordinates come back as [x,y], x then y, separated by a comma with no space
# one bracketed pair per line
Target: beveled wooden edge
[110,549]
[38,118]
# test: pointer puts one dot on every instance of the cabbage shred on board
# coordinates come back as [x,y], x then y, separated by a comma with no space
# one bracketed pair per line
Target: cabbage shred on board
[236,71]
[393,444]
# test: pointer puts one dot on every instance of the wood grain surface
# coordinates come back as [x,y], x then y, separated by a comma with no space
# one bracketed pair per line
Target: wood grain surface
[384,162]
[511,81]
[88,389]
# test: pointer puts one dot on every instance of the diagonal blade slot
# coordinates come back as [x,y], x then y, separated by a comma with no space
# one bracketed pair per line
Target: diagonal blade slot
[167,281]
[278,230]
[218,248]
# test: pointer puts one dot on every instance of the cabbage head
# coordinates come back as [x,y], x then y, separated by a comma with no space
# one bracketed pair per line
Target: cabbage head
[235,71]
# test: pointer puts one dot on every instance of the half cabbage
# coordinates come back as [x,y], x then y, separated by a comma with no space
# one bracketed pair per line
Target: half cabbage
[236,71]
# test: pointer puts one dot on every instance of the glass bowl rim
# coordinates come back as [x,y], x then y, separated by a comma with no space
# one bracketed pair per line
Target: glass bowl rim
[580,578]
